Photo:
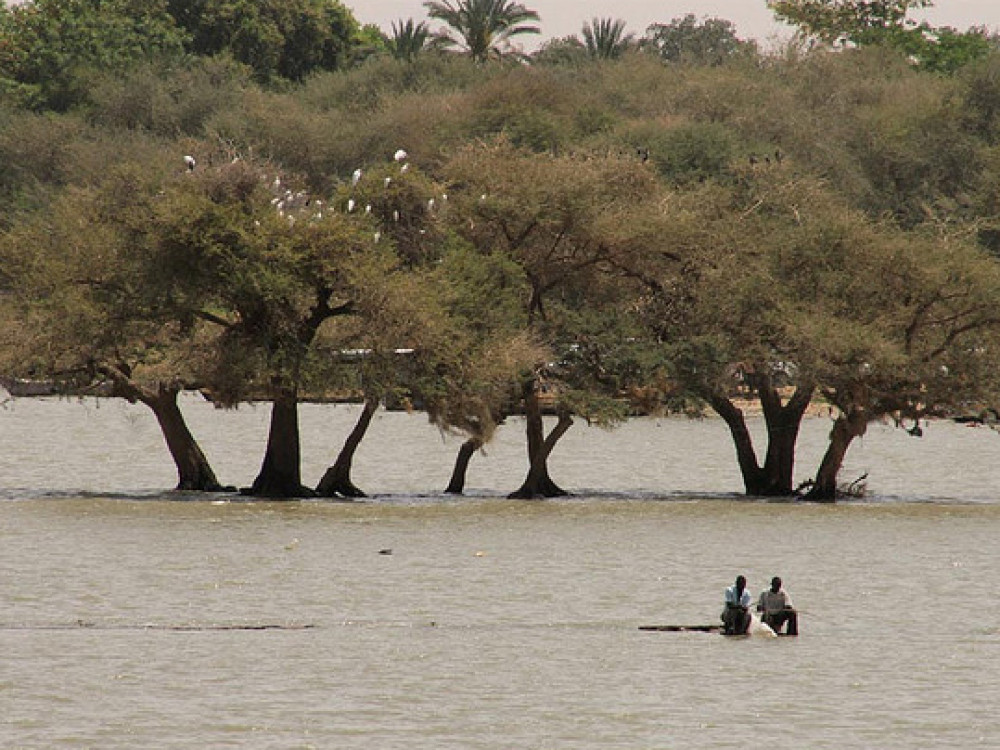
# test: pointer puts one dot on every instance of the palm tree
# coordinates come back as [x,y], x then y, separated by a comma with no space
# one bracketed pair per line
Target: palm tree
[482,27]
[606,38]
[408,39]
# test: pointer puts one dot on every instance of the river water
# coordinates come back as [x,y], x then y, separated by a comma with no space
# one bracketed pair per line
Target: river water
[134,617]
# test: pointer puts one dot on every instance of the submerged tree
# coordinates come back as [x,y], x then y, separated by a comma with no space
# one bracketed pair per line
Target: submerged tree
[89,314]
[469,387]
[920,340]
[239,249]
[561,220]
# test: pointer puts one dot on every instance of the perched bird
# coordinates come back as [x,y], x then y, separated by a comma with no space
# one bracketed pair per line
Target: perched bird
[355,177]
[400,155]
[190,162]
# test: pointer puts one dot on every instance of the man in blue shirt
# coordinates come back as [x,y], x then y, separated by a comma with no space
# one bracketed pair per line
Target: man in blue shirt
[736,611]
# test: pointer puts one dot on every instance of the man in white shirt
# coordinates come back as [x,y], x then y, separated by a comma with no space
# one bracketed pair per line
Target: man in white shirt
[775,606]
[736,611]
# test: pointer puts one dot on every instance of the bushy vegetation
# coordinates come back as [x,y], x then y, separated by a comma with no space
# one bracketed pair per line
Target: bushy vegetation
[282,205]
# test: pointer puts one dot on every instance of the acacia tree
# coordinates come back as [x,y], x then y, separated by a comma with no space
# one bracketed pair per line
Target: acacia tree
[87,310]
[561,220]
[918,341]
[390,345]
[470,386]
[236,247]
[730,298]
[483,28]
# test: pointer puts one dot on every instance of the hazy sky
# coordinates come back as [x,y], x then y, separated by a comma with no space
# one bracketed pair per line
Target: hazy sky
[751,17]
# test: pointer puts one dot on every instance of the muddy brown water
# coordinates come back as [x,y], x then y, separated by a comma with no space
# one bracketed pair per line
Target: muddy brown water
[134,617]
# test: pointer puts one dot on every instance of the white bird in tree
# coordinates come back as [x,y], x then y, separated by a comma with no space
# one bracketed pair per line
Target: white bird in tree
[350,205]
[400,155]
[190,162]
[356,177]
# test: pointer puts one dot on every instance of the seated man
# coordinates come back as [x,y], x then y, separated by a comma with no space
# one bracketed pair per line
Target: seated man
[775,606]
[736,611]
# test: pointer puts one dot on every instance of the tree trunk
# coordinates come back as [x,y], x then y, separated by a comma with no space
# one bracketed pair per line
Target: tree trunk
[783,423]
[457,484]
[538,484]
[193,470]
[746,456]
[194,473]
[775,477]
[280,475]
[845,429]
[336,482]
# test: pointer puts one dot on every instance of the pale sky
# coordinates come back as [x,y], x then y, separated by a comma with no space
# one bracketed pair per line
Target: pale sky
[751,17]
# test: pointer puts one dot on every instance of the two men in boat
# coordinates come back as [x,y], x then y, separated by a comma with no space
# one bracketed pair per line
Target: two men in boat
[774,604]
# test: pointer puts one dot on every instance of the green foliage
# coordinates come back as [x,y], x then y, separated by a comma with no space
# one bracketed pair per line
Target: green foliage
[567,50]
[945,50]
[605,38]
[686,152]
[47,47]
[858,21]
[862,23]
[483,28]
[174,101]
[278,38]
[408,39]
[629,231]
[687,40]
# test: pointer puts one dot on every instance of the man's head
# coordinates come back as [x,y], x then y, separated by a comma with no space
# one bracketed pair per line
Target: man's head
[741,583]
[776,584]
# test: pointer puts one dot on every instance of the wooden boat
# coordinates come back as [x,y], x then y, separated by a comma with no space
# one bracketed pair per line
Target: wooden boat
[704,629]
[683,628]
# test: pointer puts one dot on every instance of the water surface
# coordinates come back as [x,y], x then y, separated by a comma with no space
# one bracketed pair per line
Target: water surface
[492,623]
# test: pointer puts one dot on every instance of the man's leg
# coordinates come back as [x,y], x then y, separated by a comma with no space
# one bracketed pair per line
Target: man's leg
[792,617]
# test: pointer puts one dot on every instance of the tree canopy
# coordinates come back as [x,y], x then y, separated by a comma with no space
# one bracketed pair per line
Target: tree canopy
[684,228]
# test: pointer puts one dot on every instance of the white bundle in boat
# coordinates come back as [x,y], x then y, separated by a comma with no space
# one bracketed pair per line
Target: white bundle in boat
[759,629]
